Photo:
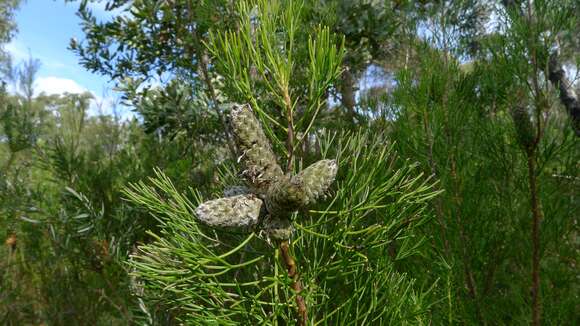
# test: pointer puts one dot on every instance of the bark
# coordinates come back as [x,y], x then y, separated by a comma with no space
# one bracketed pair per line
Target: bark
[347,94]
[567,94]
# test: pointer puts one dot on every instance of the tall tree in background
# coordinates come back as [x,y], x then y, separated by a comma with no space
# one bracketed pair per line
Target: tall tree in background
[455,118]
[7,30]
[159,41]
[534,29]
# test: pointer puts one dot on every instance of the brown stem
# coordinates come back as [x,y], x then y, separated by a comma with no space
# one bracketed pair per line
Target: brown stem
[296,283]
[532,180]
[536,216]
[347,93]
[203,61]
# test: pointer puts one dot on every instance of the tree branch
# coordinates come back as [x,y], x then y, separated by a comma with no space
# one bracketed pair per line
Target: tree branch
[296,283]
[203,61]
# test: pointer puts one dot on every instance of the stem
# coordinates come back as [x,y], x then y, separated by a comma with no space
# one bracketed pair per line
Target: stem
[532,180]
[296,283]
[203,60]
[290,138]
[438,205]
[536,215]
[347,93]
[211,91]
[10,161]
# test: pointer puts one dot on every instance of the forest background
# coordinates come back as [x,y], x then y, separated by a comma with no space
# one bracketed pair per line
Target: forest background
[454,125]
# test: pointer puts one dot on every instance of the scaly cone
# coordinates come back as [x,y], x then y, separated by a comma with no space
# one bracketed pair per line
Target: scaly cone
[289,194]
[524,128]
[244,208]
[316,179]
[239,212]
[260,166]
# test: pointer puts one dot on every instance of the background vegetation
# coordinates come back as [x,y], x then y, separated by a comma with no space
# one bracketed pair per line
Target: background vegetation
[455,125]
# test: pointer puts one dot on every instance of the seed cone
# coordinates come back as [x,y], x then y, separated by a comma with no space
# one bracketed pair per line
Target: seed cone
[285,196]
[243,208]
[260,165]
[316,179]
[524,127]
[289,194]
[241,211]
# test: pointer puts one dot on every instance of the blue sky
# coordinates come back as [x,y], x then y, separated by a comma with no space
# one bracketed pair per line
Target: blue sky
[45,28]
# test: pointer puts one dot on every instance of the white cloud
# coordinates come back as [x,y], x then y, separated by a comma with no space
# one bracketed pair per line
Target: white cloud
[17,51]
[56,85]
[20,53]
[100,105]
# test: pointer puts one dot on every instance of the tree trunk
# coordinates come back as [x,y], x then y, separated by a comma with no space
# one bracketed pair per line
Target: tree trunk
[536,218]
[347,93]
[567,95]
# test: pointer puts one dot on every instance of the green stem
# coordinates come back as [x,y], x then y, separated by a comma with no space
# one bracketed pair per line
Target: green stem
[9,163]
[290,132]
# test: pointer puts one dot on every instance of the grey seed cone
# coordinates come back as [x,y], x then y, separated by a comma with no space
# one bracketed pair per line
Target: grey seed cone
[237,212]
[316,179]
[258,159]
[288,194]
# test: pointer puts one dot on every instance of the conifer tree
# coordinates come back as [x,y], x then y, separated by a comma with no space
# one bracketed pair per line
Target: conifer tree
[274,251]
[474,125]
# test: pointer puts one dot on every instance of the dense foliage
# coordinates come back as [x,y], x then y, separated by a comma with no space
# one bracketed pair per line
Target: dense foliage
[454,126]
